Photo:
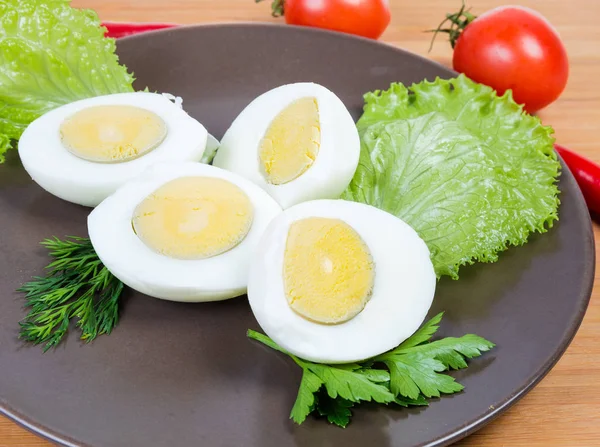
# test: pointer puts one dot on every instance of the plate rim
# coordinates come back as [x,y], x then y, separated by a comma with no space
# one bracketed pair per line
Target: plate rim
[469,427]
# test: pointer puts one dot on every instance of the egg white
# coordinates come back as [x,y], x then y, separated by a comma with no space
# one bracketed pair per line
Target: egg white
[402,294]
[141,268]
[86,183]
[335,164]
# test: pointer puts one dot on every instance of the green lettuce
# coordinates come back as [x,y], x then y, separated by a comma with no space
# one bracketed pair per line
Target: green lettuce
[468,170]
[51,54]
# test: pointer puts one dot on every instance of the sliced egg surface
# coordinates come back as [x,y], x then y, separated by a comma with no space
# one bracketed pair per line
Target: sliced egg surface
[182,231]
[83,151]
[335,281]
[298,142]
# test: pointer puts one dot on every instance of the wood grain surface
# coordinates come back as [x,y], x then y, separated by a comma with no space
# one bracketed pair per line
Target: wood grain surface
[564,409]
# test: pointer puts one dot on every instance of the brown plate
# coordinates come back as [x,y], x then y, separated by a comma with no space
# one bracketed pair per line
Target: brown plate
[184,374]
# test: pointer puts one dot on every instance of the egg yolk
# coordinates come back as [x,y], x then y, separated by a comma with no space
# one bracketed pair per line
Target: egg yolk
[194,218]
[291,143]
[328,270]
[112,134]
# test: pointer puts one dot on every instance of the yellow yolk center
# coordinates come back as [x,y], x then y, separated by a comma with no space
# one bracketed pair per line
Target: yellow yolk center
[194,218]
[291,143]
[112,134]
[328,270]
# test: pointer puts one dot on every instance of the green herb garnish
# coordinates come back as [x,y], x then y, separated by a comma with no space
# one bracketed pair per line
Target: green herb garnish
[468,170]
[407,375]
[51,54]
[77,286]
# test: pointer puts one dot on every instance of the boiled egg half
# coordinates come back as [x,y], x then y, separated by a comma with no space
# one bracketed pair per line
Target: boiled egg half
[298,142]
[83,151]
[182,231]
[335,281]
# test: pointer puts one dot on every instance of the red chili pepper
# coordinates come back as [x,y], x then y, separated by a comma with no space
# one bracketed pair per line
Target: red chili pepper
[122,29]
[587,175]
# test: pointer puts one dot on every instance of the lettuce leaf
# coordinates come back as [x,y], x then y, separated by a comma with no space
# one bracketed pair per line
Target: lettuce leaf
[51,54]
[468,170]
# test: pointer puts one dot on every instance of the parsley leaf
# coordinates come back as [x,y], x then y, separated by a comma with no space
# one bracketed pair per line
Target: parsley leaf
[375,375]
[415,364]
[406,402]
[349,384]
[451,351]
[337,410]
[305,402]
[423,334]
[407,375]
[415,374]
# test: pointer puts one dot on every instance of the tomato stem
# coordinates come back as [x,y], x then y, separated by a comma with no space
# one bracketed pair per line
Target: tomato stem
[277,9]
[458,22]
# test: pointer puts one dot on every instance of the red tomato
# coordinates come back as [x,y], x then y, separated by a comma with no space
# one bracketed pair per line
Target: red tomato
[512,47]
[367,18]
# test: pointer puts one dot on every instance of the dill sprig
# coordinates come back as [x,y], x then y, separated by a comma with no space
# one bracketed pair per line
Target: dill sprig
[76,286]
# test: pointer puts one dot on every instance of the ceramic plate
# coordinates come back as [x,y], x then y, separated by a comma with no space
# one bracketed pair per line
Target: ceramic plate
[184,374]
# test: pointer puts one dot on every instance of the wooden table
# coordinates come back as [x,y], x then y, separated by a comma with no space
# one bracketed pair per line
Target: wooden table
[564,409]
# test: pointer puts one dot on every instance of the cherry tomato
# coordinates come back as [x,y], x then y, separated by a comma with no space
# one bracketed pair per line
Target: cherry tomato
[367,18]
[515,48]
